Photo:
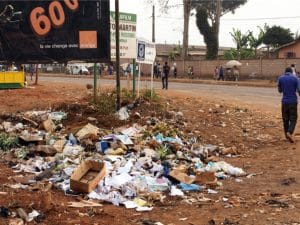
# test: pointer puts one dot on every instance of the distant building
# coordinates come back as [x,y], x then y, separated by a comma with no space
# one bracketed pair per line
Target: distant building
[164,51]
[289,51]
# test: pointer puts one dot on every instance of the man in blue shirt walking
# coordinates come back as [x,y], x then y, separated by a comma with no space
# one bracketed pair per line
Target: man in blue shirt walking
[289,85]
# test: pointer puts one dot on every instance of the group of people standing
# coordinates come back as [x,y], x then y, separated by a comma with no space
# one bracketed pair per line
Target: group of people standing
[289,85]
[219,73]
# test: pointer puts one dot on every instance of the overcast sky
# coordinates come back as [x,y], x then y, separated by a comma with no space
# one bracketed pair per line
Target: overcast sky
[254,13]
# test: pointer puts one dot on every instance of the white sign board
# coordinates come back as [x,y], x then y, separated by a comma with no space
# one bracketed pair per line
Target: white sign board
[127,27]
[146,51]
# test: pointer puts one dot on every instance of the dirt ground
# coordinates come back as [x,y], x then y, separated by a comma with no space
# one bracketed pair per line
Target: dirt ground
[270,196]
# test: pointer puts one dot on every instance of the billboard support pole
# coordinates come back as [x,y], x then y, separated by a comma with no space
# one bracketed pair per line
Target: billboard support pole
[152,67]
[134,78]
[118,55]
[139,80]
[95,82]
[36,74]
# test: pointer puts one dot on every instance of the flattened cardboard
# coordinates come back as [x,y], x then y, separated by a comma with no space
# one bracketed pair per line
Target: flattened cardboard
[49,125]
[182,177]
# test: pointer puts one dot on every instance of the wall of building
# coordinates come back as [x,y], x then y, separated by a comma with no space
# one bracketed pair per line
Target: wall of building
[251,69]
[295,48]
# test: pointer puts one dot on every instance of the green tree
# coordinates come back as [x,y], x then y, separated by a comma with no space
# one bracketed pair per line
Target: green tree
[243,54]
[256,41]
[241,41]
[276,36]
[208,14]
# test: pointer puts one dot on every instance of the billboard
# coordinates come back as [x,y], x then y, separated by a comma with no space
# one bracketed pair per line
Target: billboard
[127,25]
[47,31]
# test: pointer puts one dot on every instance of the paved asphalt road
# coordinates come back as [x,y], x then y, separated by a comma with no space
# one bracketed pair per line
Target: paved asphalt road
[261,97]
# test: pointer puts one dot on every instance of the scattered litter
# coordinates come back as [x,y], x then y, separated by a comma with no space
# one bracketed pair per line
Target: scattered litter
[87,131]
[57,116]
[182,177]
[16,221]
[144,209]
[22,214]
[33,215]
[83,204]
[123,113]
[229,222]
[288,181]
[210,191]
[296,196]
[225,167]
[49,125]
[133,166]
[190,187]
[4,212]
[176,192]
[277,203]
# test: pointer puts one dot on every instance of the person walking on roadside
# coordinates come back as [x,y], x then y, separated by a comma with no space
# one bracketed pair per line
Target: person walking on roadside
[31,71]
[294,72]
[175,70]
[289,85]
[221,74]
[155,73]
[165,76]
[216,73]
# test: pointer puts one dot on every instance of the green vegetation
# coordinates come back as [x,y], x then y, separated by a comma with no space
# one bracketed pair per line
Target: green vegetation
[106,101]
[208,15]
[276,36]
[146,94]
[247,43]
[163,151]
[7,142]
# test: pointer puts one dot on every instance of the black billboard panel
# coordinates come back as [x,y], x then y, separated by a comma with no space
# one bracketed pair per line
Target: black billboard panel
[47,31]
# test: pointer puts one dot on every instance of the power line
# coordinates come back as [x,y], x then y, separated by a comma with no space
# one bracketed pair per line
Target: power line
[239,19]
[263,18]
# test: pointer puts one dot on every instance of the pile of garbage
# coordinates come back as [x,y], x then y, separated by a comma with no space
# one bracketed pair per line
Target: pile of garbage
[133,166]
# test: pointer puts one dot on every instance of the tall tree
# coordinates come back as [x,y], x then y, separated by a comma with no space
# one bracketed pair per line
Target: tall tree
[276,36]
[208,14]
[186,21]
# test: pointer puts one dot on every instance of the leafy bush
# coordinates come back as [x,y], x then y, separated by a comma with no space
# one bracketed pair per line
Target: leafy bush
[106,102]
[7,142]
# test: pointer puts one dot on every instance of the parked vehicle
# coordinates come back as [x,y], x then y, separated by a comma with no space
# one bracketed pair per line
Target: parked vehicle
[77,70]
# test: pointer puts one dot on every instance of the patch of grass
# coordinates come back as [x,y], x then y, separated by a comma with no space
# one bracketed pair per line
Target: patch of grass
[127,95]
[146,94]
[7,142]
[106,102]
[163,151]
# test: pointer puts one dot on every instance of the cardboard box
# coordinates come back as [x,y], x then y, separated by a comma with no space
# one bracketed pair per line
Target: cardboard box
[181,176]
[87,176]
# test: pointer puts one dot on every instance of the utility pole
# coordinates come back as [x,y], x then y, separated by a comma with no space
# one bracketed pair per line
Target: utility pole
[118,55]
[153,40]
[153,23]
